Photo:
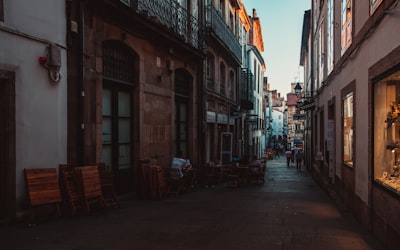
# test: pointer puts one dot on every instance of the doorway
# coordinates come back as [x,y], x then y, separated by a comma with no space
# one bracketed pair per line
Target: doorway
[7,146]
[183,82]
[119,77]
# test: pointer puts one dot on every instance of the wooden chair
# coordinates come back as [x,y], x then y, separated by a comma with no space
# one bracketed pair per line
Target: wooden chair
[43,189]
[174,182]
[243,174]
[89,185]
[69,189]
[233,177]
[143,179]
[257,174]
[160,182]
[107,186]
[190,180]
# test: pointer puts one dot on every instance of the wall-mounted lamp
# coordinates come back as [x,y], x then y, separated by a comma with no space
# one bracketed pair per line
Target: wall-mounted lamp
[52,62]
[297,89]
[306,101]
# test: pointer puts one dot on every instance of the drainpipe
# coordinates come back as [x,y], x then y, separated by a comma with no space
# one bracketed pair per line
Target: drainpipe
[310,158]
[81,78]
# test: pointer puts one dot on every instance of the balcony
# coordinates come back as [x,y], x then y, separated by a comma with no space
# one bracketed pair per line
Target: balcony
[246,90]
[171,15]
[216,24]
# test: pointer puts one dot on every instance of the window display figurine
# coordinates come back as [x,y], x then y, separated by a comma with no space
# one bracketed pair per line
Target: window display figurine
[395,171]
[390,120]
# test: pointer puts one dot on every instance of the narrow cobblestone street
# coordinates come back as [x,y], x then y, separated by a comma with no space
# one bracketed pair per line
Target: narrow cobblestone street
[288,211]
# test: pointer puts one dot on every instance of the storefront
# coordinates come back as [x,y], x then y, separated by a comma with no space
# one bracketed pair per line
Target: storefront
[386,129]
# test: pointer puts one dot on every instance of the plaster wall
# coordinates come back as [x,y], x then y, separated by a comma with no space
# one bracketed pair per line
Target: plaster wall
[378,44]
[41,106]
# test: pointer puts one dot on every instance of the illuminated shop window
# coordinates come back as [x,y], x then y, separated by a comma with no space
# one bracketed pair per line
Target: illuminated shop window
[348,130]
[387,131]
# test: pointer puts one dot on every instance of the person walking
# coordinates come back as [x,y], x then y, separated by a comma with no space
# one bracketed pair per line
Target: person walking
[299,159]
[288,155]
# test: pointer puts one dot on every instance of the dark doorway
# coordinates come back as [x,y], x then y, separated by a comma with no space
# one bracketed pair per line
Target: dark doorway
[182,93]
[119,76]
[7,146]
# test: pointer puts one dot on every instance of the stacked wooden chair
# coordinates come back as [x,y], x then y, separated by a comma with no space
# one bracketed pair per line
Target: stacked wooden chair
[70,189]
[153,184]
[174,183]
[88,181]
[43,189]
[107,186]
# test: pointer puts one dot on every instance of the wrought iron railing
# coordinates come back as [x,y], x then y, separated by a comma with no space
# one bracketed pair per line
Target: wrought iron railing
[172,15]
[246,89]
[216,23]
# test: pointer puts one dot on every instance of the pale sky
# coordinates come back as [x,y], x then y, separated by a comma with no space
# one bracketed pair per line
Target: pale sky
[281,24]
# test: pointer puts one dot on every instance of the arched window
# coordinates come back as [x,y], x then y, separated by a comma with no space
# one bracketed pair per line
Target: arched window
[231,85]
[222,79]
[210,71]
[119,74]
[118,62]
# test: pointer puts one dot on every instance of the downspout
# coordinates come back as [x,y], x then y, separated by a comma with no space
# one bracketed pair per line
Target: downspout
[81,78]
[310,158]
[202,131]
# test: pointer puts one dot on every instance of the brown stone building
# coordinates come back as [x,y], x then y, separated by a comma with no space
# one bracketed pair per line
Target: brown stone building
[134,83]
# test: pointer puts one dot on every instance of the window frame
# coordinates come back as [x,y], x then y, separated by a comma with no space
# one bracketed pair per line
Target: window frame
[346,99]
[380,173]
[373,5]
[346,24]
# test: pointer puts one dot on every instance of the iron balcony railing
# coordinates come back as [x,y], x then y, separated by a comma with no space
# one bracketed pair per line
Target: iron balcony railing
[216,24]
[172,15]
[246,90]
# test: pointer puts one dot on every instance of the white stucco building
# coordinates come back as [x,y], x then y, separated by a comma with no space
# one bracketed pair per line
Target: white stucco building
[33,110]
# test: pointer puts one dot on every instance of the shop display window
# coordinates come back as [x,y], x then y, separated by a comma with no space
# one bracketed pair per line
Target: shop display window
[348,129]
[386,94]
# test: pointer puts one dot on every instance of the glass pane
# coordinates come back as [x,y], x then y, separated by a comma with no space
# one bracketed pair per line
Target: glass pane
[183,111]
[124,156]
[106,103]
[124,130]
[183,134]
[107,132]
[106,157]
[124,101]
[387,132]
[348,129]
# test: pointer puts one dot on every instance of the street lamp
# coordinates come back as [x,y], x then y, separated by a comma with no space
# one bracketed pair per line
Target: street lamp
[297,89]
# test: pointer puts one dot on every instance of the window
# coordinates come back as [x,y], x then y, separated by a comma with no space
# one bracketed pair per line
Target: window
[321,51]
[231,84]
[117,112]
[348,129]
[386,131]
[183,81]
[329,37]
[346,25]
[222,8]
[222,78]
[374,4]
[210,71]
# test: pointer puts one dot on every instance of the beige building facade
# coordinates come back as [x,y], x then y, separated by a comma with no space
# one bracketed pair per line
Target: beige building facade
[352,61]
